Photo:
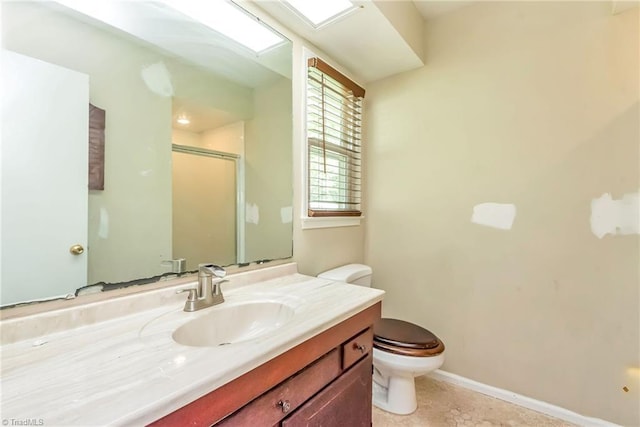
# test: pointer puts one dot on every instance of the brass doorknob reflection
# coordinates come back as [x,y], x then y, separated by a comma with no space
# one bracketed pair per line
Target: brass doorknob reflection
[76,249]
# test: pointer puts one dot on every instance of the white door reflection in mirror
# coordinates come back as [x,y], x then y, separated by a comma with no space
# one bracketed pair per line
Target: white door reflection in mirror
[44,178]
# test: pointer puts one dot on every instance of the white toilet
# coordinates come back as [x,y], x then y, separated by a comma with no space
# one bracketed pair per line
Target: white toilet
[401,351]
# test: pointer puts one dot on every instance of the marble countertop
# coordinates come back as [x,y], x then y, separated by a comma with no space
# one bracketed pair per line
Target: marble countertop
[129,371]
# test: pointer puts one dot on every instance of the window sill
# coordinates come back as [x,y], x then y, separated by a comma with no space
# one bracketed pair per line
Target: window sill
[330,222]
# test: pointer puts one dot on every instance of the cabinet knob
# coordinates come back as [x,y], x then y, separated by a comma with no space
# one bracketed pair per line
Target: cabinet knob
[284,405]
[361,347]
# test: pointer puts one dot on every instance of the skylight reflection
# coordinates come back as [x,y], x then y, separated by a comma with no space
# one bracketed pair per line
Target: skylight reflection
[229,20]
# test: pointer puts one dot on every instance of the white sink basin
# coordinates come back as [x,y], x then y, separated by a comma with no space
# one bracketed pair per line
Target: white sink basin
[232,323]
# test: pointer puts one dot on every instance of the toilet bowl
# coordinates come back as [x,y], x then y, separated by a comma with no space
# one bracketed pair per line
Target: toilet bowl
[402,351]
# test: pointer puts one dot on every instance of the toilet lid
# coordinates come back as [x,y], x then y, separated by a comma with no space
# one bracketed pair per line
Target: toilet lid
[399,333]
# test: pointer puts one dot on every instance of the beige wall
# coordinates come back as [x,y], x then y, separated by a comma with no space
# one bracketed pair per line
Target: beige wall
[185,137]
[268,173]
[205,89]
[318,250]
[228,139]
[534,104]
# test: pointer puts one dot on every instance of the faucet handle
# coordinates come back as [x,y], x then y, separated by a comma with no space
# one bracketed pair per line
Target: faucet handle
[192,293]
[216,286]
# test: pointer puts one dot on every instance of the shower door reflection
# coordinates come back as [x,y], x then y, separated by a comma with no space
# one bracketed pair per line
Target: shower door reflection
[205,212]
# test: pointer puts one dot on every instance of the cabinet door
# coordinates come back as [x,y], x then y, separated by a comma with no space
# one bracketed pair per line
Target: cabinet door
[274,405]
[345,402]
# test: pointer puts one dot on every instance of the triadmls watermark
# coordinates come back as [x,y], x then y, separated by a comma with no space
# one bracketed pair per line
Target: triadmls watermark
[22,422]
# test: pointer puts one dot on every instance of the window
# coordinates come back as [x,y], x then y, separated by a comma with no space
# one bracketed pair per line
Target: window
[334,112]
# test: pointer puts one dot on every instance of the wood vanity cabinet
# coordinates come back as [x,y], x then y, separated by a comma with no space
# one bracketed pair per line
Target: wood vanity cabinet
[325,381]
[344,402]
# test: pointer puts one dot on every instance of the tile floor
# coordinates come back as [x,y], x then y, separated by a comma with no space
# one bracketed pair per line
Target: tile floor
[441,404]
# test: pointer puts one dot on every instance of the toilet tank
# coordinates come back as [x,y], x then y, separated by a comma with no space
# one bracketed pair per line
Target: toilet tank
[357,274]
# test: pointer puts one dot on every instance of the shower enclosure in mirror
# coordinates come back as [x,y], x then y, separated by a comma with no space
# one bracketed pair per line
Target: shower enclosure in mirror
[197,143]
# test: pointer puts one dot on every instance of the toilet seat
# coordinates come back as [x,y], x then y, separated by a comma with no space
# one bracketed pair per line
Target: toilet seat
[405,338]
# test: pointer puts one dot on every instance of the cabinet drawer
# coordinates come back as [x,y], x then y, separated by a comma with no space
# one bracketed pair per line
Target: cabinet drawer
[356,348]
[277,403]
[346,402]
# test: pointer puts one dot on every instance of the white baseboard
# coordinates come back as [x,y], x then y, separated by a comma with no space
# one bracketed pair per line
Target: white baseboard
[518,399]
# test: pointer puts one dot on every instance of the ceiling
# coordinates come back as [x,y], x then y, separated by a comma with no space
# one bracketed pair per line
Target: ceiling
[382,37]
[379,39]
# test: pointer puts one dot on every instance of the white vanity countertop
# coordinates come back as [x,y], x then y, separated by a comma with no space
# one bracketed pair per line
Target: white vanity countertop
[117,372]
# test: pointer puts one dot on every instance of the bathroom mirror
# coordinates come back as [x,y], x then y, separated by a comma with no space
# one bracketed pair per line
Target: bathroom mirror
[197,145]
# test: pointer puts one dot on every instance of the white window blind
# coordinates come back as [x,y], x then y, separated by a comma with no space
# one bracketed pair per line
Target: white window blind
[334,122]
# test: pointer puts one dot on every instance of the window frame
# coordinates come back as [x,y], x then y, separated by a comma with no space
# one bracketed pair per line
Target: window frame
[326,218]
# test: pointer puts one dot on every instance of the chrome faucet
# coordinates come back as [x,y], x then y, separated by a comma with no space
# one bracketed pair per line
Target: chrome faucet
[209,291]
